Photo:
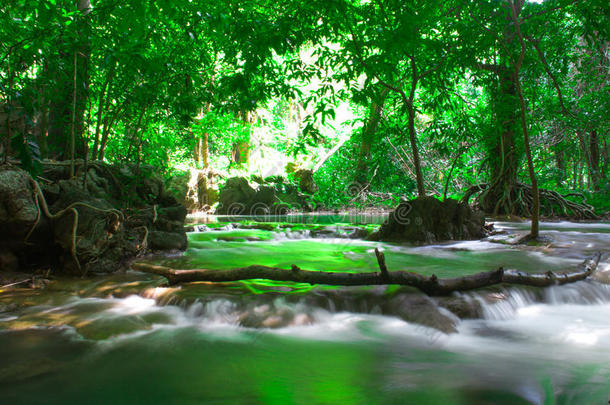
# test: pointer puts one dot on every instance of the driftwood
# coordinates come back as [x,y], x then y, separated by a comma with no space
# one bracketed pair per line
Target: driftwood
[430,285]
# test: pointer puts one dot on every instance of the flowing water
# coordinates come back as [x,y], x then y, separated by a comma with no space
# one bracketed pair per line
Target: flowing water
[127,338]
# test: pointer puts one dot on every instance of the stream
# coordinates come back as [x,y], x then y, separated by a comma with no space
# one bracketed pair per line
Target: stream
[128,338]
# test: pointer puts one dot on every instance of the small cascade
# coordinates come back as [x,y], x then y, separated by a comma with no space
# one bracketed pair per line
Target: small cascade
[162,295]
[582,293]
[220,311]
[289,234]
[504,304]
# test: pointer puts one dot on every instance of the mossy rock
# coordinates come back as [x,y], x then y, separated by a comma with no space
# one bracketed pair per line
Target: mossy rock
[429,220]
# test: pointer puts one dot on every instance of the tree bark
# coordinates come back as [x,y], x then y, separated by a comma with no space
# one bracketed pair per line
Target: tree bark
[504,159]
[368,135]
[8,111]
[421,189]
[559,164]
[201,145]
[101,106]
[534,230]
[430,285]
[61,105]
[73,120]
[204,151]
[108,123]
[594,160]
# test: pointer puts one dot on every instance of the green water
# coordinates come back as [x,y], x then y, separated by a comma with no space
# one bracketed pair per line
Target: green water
[126,338]
[290,244]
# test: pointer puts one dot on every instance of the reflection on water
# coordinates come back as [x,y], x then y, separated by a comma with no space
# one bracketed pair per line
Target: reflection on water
[127,338]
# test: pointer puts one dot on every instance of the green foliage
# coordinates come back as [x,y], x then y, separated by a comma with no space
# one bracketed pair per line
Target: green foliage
[153,78]
[224,131]
[338,187]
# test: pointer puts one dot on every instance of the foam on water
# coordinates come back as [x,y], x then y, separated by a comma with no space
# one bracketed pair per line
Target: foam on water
[529,342]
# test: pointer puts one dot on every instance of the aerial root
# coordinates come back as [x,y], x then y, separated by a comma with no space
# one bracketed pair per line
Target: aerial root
[518,200]
[42,207]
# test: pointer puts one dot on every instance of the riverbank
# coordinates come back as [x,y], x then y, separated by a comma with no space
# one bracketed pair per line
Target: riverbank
[91,222]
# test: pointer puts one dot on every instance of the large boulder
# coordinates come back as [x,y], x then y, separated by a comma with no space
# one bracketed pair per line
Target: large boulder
[422,310]
[20,216]
[270,196]
[235,196]
[429,220]
[90,226]
[160,240]
[18,209]
[196,189]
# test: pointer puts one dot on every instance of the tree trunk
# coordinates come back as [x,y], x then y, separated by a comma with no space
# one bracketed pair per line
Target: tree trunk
[534,230]
[73,120]
[204,151]
[504,159]
[108,123]
[83,60]
[101,106]
[197,150]
[559,164]
[44,129]
[430,285]
[241,150]
[419,177]
[60,114]
[460,152]
[201,147]
[8,111]
[605,154]
[594,160]
[368,137]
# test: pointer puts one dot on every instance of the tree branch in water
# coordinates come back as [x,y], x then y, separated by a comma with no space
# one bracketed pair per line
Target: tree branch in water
[430,285]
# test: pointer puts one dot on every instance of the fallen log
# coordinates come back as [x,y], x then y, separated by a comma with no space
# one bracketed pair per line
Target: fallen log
[430,285]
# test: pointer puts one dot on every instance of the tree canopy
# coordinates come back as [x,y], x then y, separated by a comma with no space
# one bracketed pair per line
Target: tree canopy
[395,97]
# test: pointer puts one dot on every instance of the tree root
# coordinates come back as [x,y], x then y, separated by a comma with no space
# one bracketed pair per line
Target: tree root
[144,244]
[73,247]
[97,165]
[42,207]
[519,201]
[430,285]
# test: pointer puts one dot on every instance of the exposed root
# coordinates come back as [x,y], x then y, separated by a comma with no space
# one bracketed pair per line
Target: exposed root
[27,237]
[144,244]
[42,207]
[518,200]
[73,247]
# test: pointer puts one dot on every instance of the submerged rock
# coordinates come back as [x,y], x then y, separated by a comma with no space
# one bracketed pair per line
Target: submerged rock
[462,306]
[422,310]
[428,220]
